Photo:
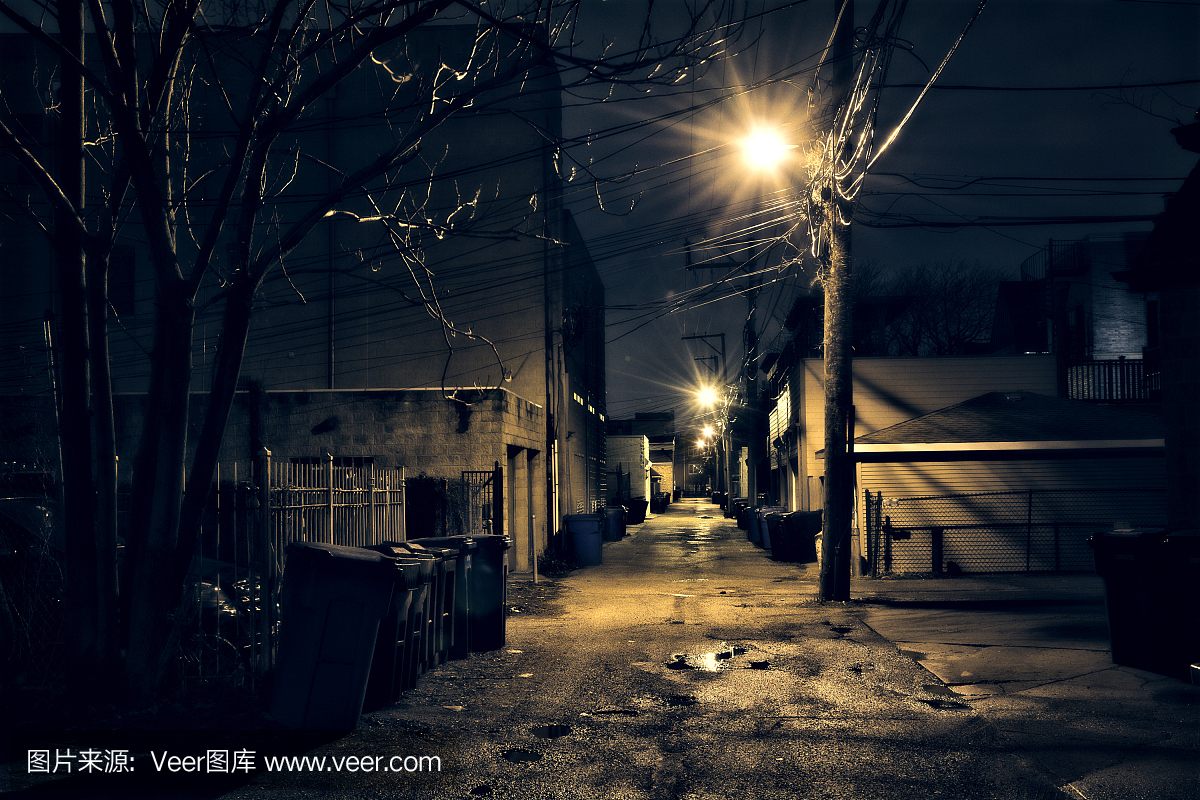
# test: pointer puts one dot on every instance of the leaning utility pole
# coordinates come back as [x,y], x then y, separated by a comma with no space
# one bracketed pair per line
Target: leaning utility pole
[834,582]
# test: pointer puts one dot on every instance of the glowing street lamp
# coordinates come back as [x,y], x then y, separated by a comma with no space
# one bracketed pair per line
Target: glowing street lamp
[707,397]
[765,149]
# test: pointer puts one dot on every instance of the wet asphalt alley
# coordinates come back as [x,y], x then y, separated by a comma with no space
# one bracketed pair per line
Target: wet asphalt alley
[687,665]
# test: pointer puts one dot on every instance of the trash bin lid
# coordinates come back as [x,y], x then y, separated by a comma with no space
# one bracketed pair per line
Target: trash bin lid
[334,551]
[454,542]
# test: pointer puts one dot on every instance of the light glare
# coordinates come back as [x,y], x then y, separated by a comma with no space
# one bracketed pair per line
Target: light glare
[765,149]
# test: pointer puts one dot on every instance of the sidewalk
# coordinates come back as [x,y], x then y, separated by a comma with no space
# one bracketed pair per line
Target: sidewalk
[1030,653]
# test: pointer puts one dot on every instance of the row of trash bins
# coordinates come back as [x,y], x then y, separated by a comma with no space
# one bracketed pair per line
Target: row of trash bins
[588,532]
[790,535]
[359,626]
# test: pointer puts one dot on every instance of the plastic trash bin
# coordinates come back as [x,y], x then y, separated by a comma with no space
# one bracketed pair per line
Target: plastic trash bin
[429,621]
[417,657]
[773,527]
[586,535]
[489,593]
[762,534]
[614,523]
[1133,565]
[333,599]
[464,548]
[441,604]
[1183,586]
[798,537]
[637,511]
[385,683]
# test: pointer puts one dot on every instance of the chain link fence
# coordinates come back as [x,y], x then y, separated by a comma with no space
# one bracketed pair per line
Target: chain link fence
[1021,531]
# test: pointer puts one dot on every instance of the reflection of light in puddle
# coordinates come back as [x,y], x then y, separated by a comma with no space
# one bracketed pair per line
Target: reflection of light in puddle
[705,662]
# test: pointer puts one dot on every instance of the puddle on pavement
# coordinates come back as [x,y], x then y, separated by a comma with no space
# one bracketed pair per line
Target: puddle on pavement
[943,701]
[519,756]
[680,700]
[551,731]
[704,662]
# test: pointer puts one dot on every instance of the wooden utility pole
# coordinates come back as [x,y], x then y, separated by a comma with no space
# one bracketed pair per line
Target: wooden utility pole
[834,582]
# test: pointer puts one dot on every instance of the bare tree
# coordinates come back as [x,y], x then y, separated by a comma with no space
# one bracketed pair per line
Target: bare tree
[948,308]
[194,122]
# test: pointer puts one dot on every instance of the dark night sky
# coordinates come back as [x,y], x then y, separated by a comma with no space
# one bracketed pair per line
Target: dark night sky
[1034,150]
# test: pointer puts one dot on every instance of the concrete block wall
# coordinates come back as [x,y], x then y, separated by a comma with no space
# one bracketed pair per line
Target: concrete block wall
[418,429]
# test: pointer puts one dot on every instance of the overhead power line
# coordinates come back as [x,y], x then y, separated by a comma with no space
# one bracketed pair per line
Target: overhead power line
[970,87]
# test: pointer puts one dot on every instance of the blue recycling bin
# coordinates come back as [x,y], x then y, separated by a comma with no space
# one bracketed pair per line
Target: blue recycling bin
[587,532]
[333,600]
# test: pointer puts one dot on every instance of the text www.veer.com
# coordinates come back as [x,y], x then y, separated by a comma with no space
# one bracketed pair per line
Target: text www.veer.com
[353,763]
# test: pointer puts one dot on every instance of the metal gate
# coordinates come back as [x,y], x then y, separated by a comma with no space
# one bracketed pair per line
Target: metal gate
[484,501]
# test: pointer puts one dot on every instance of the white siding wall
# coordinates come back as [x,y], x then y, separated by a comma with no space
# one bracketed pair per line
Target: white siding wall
[631,454]
[888,391]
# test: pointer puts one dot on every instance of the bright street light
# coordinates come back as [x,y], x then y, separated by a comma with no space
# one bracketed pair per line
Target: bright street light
[765,149]
[707,396]
[708,431]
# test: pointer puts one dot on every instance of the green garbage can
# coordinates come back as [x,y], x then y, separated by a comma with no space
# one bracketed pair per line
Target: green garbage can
[797,540]
[637,511]
[333,600]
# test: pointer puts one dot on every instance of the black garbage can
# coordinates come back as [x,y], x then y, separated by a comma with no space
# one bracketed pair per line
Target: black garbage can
[1133,565]
[773,520]
[741,512]
[464,548]
[420,644]
[797,537]
[1183,587]
[614,523]
[333,600]
[435,636]
[385,683]
[489,593]
[637,511]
